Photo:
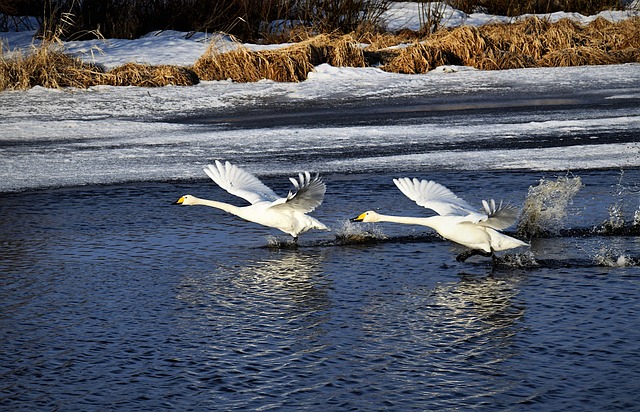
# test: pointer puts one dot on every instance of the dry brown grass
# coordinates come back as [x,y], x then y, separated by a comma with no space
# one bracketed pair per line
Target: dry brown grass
[564,34]
[576,56]
[379,41]
[145,75]
[503,60]
[418,58]
[532,42]
[463,45]
[244,65]
[346,52]
[380,47]
[614,36]
[288,64]
[237,64]
[467,43]
[627,55]
[524,38]
[46,66]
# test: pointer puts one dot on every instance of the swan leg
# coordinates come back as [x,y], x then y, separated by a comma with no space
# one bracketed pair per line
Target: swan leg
[472,252]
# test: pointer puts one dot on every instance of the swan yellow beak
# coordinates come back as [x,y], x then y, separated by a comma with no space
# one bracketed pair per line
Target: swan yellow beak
[360,218]
[179,201]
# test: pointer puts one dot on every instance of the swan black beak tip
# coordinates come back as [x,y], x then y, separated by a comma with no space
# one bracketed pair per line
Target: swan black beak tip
[359,218]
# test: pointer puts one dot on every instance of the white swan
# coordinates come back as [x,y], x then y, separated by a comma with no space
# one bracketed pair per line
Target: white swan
[267,208]
[457,220]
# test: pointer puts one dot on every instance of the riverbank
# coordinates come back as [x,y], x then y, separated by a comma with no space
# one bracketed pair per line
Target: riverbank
[486,44]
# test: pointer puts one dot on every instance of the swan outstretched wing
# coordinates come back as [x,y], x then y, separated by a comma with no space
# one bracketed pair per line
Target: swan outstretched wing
[498,217]
[434,196]
[240,183]
[308,194]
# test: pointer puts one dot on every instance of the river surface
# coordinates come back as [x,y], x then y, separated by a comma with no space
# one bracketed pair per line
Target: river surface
[111,298]
[114,299]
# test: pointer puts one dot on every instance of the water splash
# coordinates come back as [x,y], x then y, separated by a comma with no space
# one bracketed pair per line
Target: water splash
[616,219]
[350,234]
[610,258]
[615,224]
[516,260]
[545,208]
[281,242]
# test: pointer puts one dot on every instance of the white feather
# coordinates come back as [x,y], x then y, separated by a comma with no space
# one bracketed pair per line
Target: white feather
[456,220]
[287,214]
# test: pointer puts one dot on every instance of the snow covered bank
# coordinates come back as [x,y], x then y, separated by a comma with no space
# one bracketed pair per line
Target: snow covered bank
[466,120]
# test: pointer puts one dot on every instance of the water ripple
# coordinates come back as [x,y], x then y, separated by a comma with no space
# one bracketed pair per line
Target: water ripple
[109,305]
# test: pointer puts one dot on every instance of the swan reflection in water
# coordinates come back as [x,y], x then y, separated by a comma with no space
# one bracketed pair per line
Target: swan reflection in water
[482,304]
[283,283]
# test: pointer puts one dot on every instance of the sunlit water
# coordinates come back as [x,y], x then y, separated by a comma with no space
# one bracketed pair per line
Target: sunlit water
[113,299]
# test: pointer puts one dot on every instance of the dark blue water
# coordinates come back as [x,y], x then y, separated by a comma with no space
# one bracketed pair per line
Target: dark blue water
[112,299]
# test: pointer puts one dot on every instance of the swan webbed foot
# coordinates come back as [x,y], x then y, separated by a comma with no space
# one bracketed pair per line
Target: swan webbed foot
[472,252]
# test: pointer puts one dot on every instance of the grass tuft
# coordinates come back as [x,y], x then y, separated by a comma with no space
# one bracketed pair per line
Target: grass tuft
[420,58]
[288,64]
[145,75]
[576,56]
[46,66]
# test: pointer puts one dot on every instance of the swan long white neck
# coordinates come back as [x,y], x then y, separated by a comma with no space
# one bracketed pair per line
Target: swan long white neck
[218,205]
[407,220]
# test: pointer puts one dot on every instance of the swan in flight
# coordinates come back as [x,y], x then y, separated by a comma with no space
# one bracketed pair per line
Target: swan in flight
[268,209]
[457,220]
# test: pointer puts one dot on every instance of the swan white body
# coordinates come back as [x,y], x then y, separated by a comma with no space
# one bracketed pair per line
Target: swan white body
[287,214]
[457,220]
